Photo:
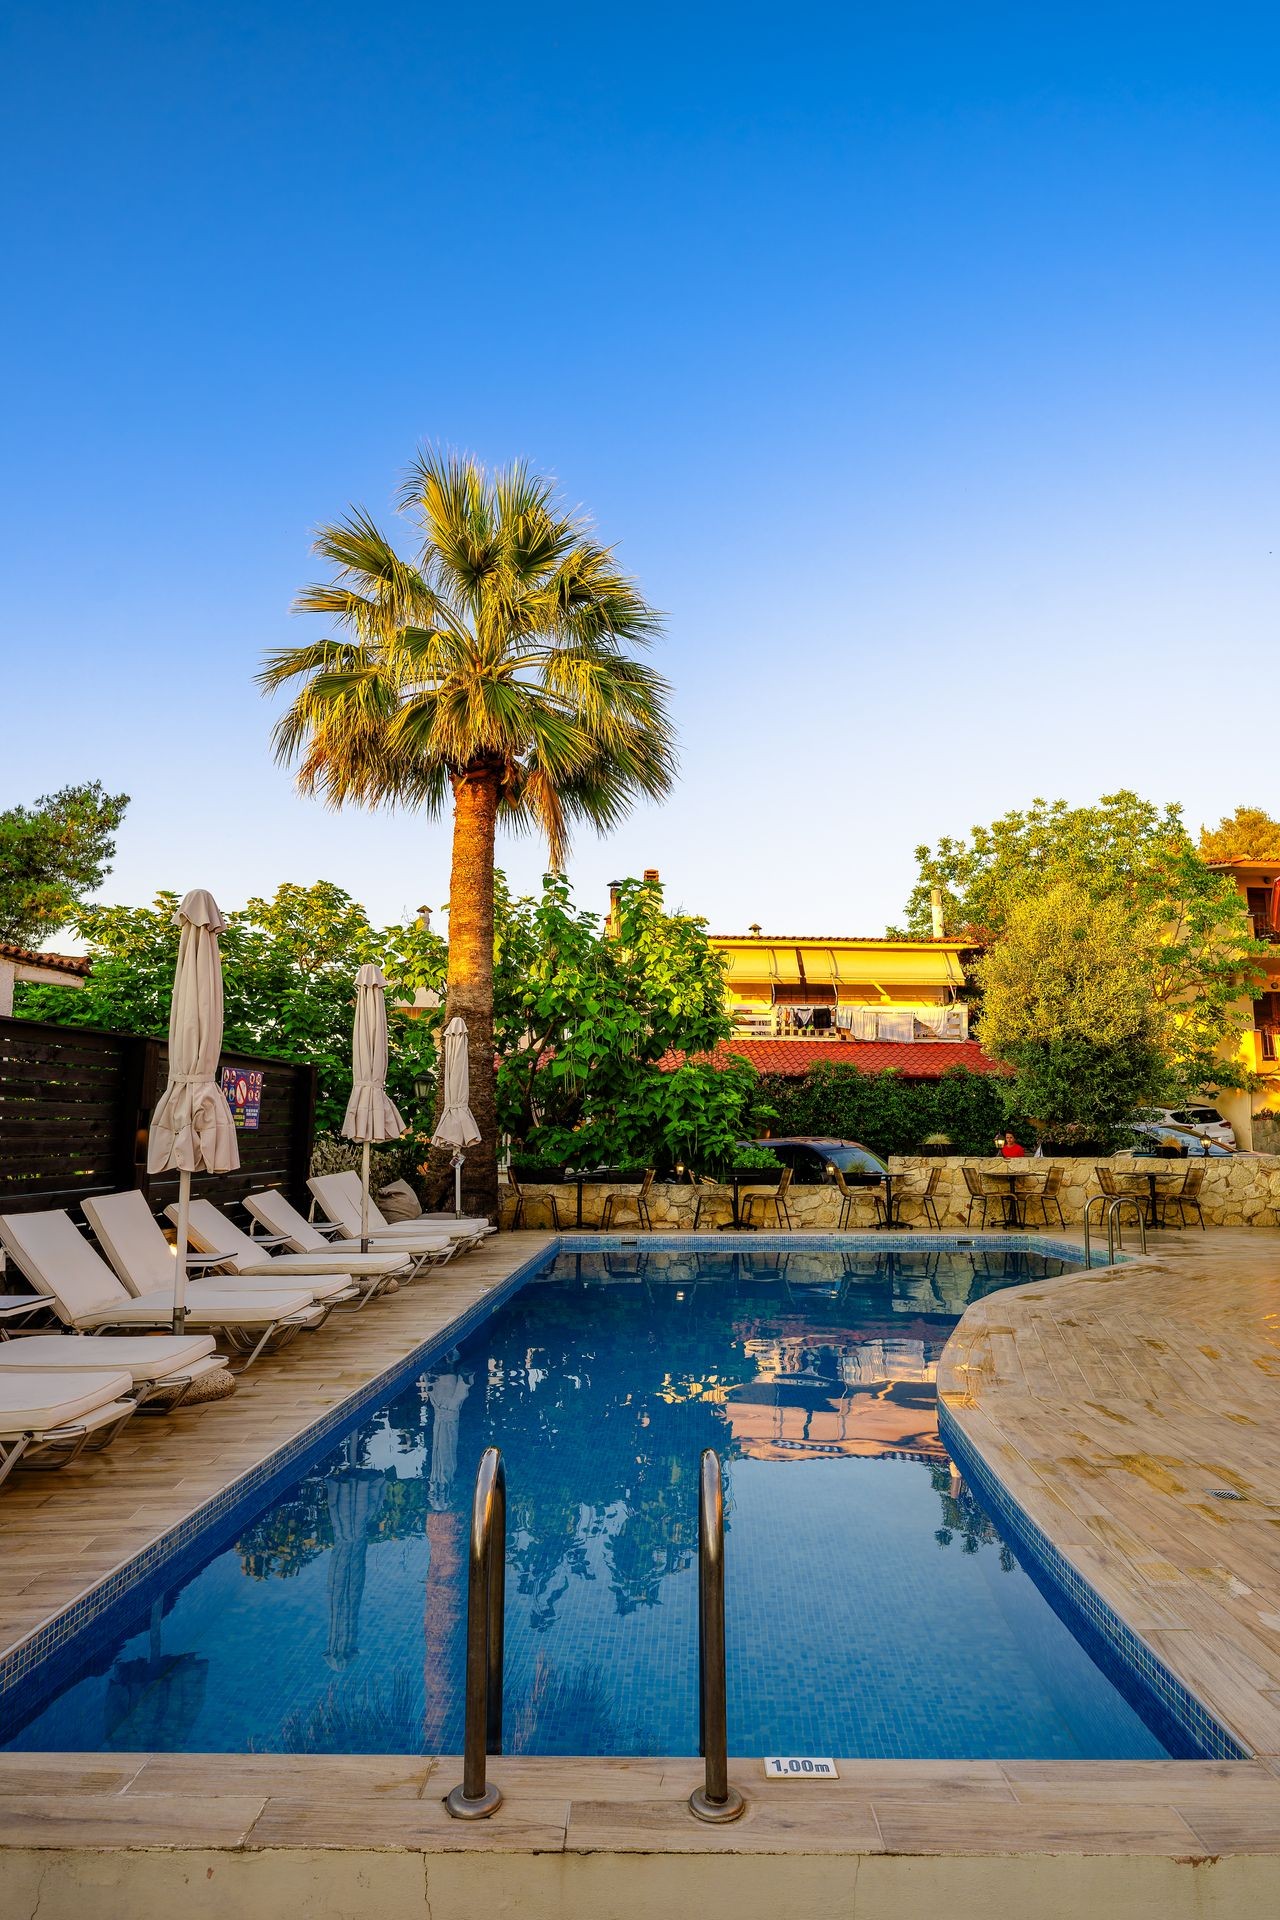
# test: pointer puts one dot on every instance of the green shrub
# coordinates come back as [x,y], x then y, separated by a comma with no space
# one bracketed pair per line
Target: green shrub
[888,1113]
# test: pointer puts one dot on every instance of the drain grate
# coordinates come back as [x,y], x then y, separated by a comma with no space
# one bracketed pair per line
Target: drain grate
[1224,1493]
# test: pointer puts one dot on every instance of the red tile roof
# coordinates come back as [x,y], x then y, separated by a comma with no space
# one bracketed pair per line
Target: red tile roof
[913,1059]
[58,962]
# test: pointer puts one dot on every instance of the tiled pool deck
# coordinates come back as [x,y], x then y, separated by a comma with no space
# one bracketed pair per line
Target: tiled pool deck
[1111,1407]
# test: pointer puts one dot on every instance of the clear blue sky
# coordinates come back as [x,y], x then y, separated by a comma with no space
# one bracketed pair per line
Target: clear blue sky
[921,359]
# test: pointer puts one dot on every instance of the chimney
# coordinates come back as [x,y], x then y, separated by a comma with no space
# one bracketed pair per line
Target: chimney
[935,909]
[611,923]
[424,919]
[755,929]
[651,877]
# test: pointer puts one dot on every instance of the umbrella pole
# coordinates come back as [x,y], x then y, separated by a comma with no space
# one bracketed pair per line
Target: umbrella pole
[457,1187]
[180,1264]
[364,1198]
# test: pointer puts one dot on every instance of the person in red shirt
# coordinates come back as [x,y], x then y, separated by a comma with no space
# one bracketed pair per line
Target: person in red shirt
[1011,1150]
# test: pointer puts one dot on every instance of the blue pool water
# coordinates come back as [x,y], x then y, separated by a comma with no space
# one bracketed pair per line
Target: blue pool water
[873,1608]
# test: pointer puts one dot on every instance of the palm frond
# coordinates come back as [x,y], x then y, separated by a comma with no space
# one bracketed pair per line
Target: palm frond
[504,642]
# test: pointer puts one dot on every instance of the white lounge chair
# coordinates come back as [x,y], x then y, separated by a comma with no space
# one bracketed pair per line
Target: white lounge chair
[134,1242]
[338,1197]
[466,1226]
[46,1419]
[284,1224]
[162,1367]
[87,1295]
[221,1239]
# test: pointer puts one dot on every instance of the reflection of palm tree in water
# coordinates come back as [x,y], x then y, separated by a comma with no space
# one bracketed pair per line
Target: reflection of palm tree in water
[153,1703]
[355,1495]
[444,1392]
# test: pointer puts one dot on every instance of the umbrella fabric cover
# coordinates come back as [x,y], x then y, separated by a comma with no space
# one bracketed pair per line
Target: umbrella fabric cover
[371,1113]
[192,1130]
[457,1127]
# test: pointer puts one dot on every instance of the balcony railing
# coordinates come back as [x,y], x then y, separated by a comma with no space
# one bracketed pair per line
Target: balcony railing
[787,1023]
[1263,927]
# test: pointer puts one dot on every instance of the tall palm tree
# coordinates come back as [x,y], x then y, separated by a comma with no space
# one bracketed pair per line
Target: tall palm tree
[490,669]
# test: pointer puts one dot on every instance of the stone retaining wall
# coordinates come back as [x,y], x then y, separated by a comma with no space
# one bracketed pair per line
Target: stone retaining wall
[1242,1191]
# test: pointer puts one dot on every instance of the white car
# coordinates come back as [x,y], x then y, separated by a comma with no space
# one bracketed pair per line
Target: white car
[1206,1121]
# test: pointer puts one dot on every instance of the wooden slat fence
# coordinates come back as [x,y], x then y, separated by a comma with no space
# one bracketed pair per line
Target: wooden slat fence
[75,1106]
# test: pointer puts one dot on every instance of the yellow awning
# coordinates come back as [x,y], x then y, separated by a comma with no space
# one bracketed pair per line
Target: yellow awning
[884,966]
[784,967]
[881,966]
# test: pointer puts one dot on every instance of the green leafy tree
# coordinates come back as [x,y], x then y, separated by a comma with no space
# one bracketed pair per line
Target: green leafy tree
[491,671]
[585,1013]
[289,966]
[1189,943]
[1065,1007]
[51,855]
[1246,834]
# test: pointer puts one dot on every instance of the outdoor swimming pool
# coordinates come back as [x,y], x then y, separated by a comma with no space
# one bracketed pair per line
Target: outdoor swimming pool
[873,1608]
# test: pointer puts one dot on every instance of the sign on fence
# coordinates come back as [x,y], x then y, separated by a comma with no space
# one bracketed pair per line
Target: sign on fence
[243,1088]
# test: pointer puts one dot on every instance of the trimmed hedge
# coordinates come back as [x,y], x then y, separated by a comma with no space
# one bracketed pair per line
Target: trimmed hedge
[886,1112]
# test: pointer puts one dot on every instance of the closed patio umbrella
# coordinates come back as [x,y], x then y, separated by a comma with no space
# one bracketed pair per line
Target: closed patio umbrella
[192,1130]
[372,1116]
[457,1128]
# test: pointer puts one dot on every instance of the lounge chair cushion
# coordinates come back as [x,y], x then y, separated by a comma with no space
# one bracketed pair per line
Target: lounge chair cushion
[39,1402]
[145,1358]
[55,1255]
[209,1306]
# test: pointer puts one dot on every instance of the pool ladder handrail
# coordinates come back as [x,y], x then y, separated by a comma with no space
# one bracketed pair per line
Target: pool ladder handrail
[1115,1228]
[477,1797]
[715,1799]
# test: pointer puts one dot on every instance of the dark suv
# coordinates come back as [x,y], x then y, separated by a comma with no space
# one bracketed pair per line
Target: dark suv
[814,1160]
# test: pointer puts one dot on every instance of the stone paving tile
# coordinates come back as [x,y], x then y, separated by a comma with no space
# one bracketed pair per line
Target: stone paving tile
[1163,1395]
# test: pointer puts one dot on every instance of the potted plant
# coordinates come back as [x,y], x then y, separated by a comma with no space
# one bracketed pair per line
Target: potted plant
[751,1161]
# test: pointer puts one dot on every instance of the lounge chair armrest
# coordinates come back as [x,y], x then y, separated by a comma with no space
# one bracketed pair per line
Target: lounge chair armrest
[271,1239]
[195,1259]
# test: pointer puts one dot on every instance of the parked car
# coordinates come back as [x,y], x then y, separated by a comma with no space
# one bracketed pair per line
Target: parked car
[1153,1136]
[813,1159]
[1199,1119]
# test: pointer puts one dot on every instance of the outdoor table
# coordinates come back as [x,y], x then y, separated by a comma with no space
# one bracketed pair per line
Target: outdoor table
[599,1177]
[1010,1199]
[890,1223]
[1153,1214]
[746,1177]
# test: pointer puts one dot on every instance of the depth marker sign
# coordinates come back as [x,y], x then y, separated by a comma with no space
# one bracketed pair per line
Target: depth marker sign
[782,1767]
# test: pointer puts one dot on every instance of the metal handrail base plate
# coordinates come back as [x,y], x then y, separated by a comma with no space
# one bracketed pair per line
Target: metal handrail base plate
[479,1809]
[717,1811]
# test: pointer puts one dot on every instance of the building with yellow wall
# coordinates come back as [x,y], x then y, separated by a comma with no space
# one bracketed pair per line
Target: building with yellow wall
[1258,884]
[815,986]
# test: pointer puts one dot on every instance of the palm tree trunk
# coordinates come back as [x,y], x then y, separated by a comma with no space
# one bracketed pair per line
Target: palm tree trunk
[469,984]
